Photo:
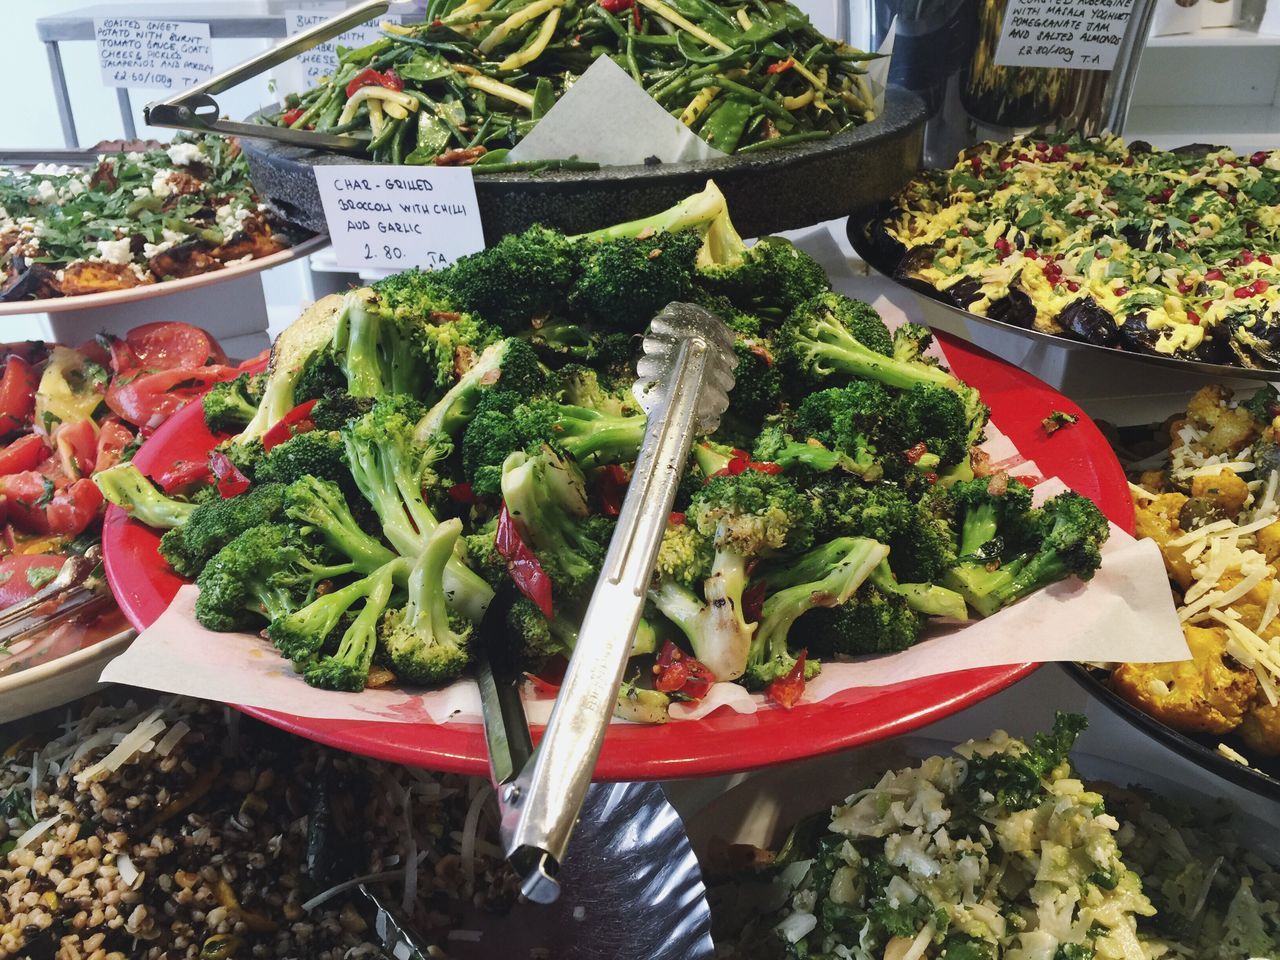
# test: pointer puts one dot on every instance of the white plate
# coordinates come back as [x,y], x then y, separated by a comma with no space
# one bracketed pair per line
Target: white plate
[60,680]
[164,287]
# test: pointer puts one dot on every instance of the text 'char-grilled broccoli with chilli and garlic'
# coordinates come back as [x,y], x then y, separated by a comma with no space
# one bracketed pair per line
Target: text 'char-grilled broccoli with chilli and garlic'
[417,444]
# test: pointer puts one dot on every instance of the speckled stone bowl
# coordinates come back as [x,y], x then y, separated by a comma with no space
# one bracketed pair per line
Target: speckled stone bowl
[767,191]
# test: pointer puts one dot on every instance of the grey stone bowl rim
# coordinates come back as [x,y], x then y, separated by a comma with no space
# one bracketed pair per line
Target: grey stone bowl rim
[902,111]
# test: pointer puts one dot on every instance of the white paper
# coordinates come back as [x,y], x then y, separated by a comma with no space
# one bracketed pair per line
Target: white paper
[306,69]
[168,54]
[878,70]
[608,118]
[400,217]
[1083,34]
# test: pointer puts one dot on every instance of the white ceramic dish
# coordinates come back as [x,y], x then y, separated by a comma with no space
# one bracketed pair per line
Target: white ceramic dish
[149,291]
[60,680]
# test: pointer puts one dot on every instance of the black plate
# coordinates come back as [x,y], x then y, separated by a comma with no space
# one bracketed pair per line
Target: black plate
[1262,779]
[862,229]
[767,191]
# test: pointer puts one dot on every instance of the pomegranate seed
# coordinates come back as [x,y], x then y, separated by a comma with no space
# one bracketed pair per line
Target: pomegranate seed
[1213,275]
[1265,258]
[1108,192]
[1260,286]
[1006,164]
[1121,291]
[1243,293]
[1193,317]
[1077,166]
[1042,147]
[1073,286]
[1097,255]
[1031,254]
[964,231]
[1184,288]
[1194,218]
[1128,161]
[1259,158]
[1246,257]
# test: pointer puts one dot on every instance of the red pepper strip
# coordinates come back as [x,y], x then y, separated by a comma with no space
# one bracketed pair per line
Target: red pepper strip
[391,80]
[462,493]
[297,420]
[522,563]
[740,461]
[542,686]
[675,518]
[368,77]
[781,66]
[915,453]
[753,601]
[677,672]
[635,16]
[184,473]
[290,117]
[616,6]
[612,483]
[231,482]
[786,691]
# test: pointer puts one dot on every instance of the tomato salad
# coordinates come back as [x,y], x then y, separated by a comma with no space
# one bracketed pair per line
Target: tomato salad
[65,414]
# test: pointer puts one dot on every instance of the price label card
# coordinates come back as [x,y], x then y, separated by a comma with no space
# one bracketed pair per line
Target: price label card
[1082,34]
[322,60]
[400,217]
[167,54]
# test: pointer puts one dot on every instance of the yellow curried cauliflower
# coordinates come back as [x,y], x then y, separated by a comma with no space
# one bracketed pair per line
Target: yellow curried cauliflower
[1225,489]
[1208,694]
[1158,520]
[1261,729]
[1230,429]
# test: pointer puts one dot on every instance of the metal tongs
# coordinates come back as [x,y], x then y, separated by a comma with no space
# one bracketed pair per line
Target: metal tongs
[75,590]
[195,108]
[685,376]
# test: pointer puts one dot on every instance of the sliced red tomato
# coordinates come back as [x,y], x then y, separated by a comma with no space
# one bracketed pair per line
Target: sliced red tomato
[17,395]
[183,475]
[25,453]
[96,350]
[38,505]
[24,574]
[77,447]
[113,437]
[149,399]
[259,361]
[170,345]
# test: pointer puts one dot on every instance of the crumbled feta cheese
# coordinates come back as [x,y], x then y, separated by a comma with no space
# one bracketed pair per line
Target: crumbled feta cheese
[115,251]
[230,218]
[46,191]
[160,184]
[133,156]
[184,154]
[141,192]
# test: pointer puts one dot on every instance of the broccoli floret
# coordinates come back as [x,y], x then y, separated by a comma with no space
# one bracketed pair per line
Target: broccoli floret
[932,422]
[871,622]
[1063,538]
[640,704]
[772,277]
[509,364]
[825,576]
[739,321]
[522,276]
[347,669]
[714,626]
[127,487]
[215,523]
[322,509]
[230,405]
[705,213]
[424,640]
[379,351]
[388,466]
[245,455]
[264,573]
[331,412]
[482,554]
[415,293]
[990,514]
[624,282]
[316,453]
[835,336]
[580,386]
[451,343]
[535,637]
[757,381]
[685,555]
[805,459]
[851,420]
[591,437]
[546,495]
[321,376]
[1017,779]
[910,341]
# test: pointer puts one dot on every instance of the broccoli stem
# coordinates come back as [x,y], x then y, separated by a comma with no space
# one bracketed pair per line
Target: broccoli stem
[320,505]
[927,598]
[716,631]
[299,635]
[126,487]
[355,340]
[595,439]
[348,668]
[989,590]
[979,528]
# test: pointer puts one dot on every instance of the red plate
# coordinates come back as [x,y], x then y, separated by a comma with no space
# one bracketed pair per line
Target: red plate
[725,741]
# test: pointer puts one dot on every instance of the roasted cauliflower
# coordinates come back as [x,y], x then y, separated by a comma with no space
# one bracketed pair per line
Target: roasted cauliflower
[1261,729]
[1158,519]
[1210,693]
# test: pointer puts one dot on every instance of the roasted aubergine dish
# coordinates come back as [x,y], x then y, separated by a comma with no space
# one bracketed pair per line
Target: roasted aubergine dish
[1171,253]
[137,218]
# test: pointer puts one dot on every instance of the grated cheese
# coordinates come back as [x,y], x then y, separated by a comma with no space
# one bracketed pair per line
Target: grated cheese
[1234,755]
[129,745]
[36,832]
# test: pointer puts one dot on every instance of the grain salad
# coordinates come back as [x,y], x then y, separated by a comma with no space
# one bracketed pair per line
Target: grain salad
[182,830]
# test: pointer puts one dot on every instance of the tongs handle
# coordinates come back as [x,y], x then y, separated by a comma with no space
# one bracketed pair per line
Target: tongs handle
[195,108]
[540,806]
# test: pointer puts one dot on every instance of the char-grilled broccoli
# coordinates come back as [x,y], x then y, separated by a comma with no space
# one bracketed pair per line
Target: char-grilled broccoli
[580,386]
[546,496]
[424,640]
[825,576]
[851,420]
[910,341]
[932,425]
[264,573]
[871,622]
[800,458]
[331,412]
[127,487]
[770,278]
[316,453]
[534,637]
[389,466]
[522,276]
[624,282]
[380,351]
[231,404]
[323,511]
[510,365]
[757,381]
[347,668]
[1006,555]
[321,376]
[833,336]
[215,523]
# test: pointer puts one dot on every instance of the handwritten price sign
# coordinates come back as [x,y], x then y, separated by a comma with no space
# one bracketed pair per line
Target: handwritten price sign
[167,54]
[1082,34]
